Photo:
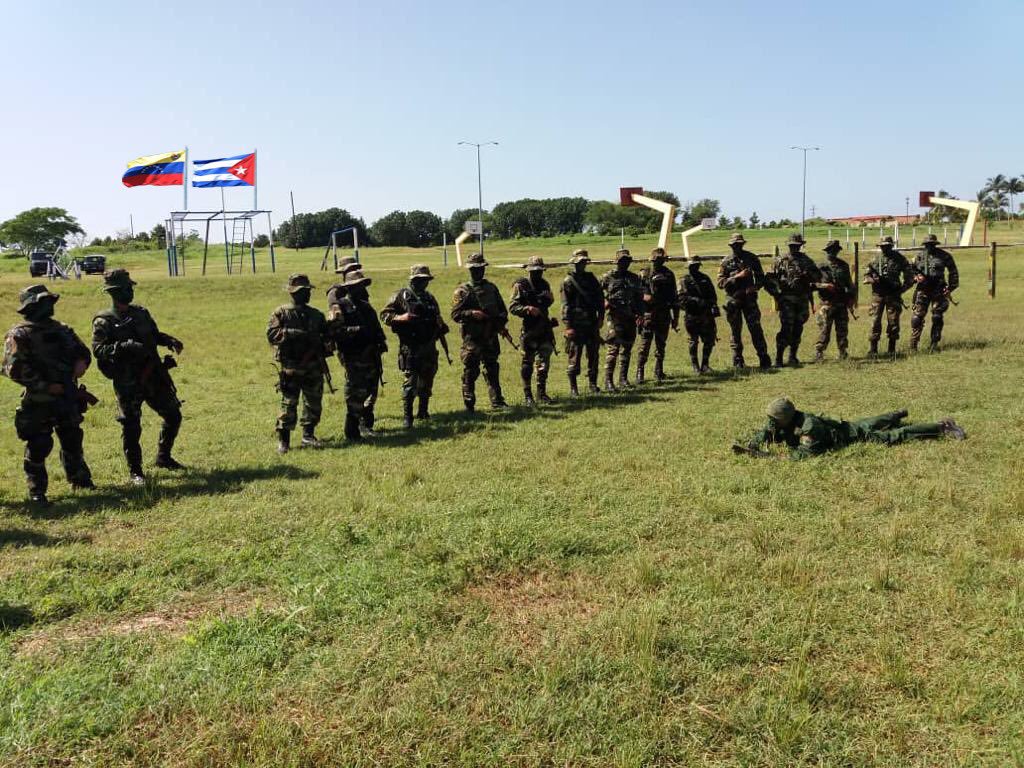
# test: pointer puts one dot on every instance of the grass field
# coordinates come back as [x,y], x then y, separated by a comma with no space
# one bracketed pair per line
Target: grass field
[598,582]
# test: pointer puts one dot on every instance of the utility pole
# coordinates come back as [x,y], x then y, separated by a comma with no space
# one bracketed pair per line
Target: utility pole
[803,201]
[479,186]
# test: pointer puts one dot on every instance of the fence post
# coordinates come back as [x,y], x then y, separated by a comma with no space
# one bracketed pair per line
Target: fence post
[856,273]
[992,271]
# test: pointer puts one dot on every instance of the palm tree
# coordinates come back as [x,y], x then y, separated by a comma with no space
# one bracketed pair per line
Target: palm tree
[1014,186]
[994,186]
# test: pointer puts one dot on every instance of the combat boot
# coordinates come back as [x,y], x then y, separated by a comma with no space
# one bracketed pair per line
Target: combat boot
[83,485]
[913,344]
[843,354]
[166,461]
[542,393]
[764,361]
[352,428]
[136,476]
[705,359]
[952,430]
[819,356]
[624,379]
[873,349]
[574,389]
[738,362]
[423,412]
[39,500]
[639,374]
[892,349]
[284,441]
[659,371]
[528,396]
[309,438]
[780,350]
[609,383]
[407,412]
[693,361]
[592,386]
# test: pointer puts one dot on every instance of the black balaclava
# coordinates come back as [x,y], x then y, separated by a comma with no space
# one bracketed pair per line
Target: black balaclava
[122,294]
[301,296]
[39,311]
[359,292]
[476,274]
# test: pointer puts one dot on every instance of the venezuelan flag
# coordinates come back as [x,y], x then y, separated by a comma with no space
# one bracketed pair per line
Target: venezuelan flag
[165,170]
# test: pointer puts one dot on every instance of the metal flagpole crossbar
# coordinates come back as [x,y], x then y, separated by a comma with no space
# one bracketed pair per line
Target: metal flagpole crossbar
[237,242]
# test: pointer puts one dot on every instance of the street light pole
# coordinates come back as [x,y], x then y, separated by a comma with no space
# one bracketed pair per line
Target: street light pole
[803,200]
[479,186]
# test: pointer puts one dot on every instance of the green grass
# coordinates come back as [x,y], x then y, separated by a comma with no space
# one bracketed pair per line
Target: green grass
[592,583]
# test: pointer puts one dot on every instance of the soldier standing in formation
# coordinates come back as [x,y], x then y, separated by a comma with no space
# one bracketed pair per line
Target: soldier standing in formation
[47,358]
[836,292]
[531,300]
[336,291]
[741,277]
[931,268]
[795,274]
[623,302]
[660,312]
[125,340]
[700,308]
[359,338]
[582,316]
[478,308]
[889,276]
[298,333]
[415,317]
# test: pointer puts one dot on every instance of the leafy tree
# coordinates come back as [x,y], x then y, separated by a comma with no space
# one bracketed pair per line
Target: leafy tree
[392,230]
[306,230]
[39,229]
[261,241]
[159,235]
[738,223]
[425,228]
[754,220]
[457,221]
[694,213]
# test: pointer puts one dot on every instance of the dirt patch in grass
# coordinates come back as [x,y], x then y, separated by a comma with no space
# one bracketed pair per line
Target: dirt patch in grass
[172,620]
[528,607]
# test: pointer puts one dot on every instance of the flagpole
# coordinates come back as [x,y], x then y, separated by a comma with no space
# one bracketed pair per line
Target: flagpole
[185,177]
[254,205]
[224,220]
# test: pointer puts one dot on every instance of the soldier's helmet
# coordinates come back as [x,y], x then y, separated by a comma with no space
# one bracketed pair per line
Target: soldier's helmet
[658,254]
[420,271]
[623,255]
[796,239]
[346,265]
[781,410]
[832,246]
[297,282]
[930,239]
[535,264]
[356,277]
[476,260]
[117,278]
[580,256]
[886,241]
[737,238]
[35,294]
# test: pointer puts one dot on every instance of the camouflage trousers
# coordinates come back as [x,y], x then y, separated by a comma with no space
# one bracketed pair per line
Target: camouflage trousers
[939,303]
[836,315]
[888,430]
[736,311]
[35,423]
[362,387]
[586,341]
[307,384]
[700,328]
[619,336]
[655,331]
[419,366]
[474,354]
[892,307]
[794,312]
[536,354]
[161,398]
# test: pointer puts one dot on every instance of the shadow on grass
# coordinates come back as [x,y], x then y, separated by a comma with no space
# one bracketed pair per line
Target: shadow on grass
[21,537]
[162,487]
[14,617]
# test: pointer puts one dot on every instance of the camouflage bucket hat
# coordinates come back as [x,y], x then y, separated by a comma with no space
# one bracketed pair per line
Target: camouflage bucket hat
[781,409]
[476,260]
[737,238]
[886,241]
[832,246]
[420,270]
[658,253]
[623,253]
[580,256]
[930,239]
[298,282]
[354,278]
[535,264]
[35,294]
[796,239]
[117,278]
[346,265]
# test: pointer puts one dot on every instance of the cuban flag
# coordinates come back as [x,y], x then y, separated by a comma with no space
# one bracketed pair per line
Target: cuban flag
[237,171]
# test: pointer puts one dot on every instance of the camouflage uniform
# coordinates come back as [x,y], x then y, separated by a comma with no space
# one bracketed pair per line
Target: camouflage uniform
[931,267]
[795,274]
[582,316]
[42,355]
[741,277]
[531,300]
[889,275]
[623,301]
[478,308]
[835,301]
[415,317]
[699,301]
[808,435]
[125,340]
[359,337]
[660,312]
[298,333]
[337,291]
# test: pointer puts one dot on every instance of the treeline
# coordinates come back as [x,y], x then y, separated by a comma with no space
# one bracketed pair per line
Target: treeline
[528,217]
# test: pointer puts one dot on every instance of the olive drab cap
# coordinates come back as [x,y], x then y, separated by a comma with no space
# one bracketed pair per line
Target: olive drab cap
[781,409]
[886,241]
[346,265]
[354,278]
[117,278]
[658,253]
[930,239]
[535,264]
[580,256]
[796,239]
[421,271]
[476,260]
[33,295]
[298,282]
[737,238]
[623,255]
[832,246]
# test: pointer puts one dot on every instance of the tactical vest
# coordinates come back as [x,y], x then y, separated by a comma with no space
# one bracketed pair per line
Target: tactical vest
[529,295]
[136,325]
[794,274]
[583,302]
[53,348]
[698,295]
[357,313]
[622,292]
[426,320]
[304,351]
[661,284]
[890,274]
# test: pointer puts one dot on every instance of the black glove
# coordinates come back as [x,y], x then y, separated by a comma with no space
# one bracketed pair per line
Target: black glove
[175,345]
[132,347]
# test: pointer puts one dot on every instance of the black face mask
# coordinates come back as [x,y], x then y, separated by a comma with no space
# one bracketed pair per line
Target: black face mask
[536,277]
[580,268]
[622,266]
[694,269]
[419,284]
[301,296]
[476,274]
[358,292]
[122,295]
[39,311]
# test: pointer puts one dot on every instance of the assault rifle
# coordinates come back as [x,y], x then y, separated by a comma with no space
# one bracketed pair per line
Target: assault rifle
[746,450]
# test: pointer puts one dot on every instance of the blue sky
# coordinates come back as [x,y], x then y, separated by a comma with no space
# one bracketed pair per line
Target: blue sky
[360,104]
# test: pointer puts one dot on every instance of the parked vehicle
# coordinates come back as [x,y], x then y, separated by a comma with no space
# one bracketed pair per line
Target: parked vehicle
[39,263]
[93,265]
